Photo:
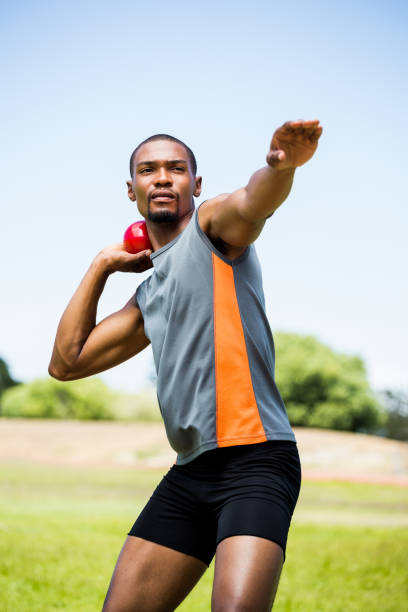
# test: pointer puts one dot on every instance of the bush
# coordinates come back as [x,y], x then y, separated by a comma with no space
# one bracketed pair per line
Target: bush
[395,402]
[322,388]
[142,406]
[85,399]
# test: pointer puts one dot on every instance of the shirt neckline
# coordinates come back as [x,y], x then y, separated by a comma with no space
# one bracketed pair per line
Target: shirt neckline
[172,242]
[205,239]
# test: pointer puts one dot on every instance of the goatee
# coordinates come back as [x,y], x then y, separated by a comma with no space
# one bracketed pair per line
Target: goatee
[162,216]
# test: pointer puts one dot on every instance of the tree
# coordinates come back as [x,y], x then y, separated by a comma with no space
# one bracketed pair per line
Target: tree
[396,406]
[83,399]
[6,381]
[322,388]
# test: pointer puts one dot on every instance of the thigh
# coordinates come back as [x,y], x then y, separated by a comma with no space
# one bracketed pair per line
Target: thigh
[260,491]
[149,577]
[246,575]
[176,517]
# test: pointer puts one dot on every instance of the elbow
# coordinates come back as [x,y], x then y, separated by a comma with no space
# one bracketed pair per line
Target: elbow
[53,373]
[60,368]
[64,376]
[57,374]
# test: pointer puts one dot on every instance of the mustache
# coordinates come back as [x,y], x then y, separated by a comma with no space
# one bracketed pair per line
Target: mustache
[163,192]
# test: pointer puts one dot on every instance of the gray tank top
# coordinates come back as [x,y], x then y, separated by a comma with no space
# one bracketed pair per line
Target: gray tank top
[212,347]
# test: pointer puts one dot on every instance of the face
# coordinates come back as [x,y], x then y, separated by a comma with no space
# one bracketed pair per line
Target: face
[163,184]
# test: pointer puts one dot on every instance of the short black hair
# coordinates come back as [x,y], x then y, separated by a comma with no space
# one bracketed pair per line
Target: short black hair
[191,156]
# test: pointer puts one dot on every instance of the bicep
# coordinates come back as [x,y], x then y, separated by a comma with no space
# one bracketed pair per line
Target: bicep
[223,218]
[114,340]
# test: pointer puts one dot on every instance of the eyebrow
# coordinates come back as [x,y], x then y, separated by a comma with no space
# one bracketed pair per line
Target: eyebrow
[169,161]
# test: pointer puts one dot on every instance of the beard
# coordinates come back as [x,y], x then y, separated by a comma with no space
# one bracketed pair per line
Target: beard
[162,216]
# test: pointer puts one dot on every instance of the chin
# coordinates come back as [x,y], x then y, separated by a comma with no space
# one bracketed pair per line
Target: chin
[162,216]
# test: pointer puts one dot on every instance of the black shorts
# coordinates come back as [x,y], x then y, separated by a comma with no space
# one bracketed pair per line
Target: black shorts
[237,490]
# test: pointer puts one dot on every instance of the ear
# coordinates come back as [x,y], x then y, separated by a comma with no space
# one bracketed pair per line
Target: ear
[197,190]
[131,195]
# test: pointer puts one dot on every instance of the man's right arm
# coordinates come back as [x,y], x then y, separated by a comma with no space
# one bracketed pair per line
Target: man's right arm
[83,348]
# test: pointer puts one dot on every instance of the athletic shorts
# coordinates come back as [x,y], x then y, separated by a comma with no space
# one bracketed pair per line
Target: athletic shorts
[237,490]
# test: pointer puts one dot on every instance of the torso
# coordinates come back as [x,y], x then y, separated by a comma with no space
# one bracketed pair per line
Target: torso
[212,345]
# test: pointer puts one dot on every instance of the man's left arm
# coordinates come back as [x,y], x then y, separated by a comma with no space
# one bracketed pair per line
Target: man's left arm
[237,219]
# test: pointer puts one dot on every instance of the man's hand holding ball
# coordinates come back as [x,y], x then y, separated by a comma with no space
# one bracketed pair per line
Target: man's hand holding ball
[136,238]
[131,255]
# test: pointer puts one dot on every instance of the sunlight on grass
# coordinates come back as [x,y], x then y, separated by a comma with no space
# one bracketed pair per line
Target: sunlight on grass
[61,530]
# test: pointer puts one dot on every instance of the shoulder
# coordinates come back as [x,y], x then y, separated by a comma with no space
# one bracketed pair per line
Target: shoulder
[207,220]
[207,209]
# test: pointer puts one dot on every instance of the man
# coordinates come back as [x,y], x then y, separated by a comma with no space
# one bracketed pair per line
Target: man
[235,484]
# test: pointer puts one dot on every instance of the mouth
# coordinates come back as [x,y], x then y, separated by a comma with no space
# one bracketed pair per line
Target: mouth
[162,195]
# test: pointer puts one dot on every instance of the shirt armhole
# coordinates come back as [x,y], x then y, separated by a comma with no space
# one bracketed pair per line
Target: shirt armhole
[213,249]
[138,296]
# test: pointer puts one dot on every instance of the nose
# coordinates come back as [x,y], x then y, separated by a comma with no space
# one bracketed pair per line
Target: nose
[163,177]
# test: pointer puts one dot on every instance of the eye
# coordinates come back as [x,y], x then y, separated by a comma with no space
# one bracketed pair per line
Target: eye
[145,170]
[179,168]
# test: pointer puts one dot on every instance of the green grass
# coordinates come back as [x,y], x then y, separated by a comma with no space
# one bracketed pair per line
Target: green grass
[61,530]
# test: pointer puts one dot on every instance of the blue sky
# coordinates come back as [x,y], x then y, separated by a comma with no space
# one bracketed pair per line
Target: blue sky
[84,82]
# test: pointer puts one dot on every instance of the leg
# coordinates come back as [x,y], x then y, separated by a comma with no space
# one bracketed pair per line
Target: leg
[246,577]
[149,577]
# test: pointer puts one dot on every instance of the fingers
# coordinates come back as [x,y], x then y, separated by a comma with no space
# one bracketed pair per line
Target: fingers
[140,254]
[145,254]
[294,143]
[121,260]
[300,124]
[310,129]
[143,262]
[136,262]
[275,157]
[141,257]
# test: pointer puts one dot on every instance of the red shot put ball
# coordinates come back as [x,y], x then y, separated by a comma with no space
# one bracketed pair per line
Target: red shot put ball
[136,238]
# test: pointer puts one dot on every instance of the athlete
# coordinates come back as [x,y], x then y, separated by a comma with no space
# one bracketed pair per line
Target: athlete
[236,479]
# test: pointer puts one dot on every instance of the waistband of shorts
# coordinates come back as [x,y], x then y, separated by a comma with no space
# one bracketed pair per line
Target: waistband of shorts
[242,450]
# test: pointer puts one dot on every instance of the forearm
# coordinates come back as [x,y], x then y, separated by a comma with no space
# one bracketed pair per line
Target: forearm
[237,218]
[79,317]
[267,189]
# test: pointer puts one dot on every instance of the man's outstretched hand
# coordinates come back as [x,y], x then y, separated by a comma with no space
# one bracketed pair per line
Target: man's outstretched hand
[294,143]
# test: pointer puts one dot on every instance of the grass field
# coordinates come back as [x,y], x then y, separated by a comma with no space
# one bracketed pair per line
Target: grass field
[61,530]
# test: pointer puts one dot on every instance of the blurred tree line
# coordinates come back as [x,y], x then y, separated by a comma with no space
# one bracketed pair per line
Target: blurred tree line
[84,399]
[320,388]
[396,406]
[6,381]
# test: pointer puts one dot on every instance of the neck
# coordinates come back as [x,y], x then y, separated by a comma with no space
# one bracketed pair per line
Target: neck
[161,234]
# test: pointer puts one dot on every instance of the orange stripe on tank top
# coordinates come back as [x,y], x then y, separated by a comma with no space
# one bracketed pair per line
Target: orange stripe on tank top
[238,419]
